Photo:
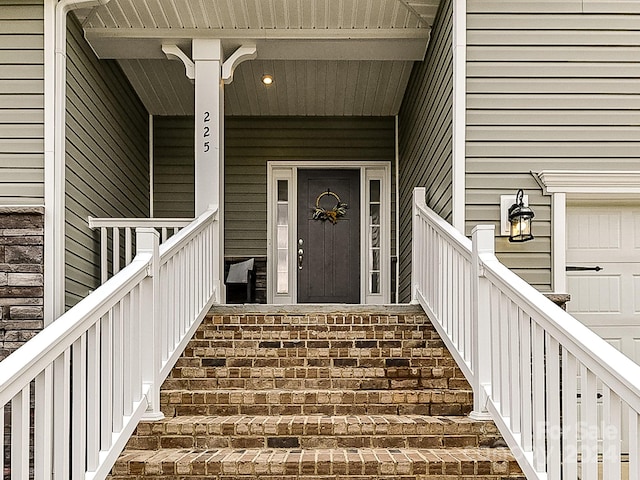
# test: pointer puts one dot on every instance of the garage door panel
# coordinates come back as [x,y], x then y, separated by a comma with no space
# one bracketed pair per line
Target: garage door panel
[589,230]
[608,300]
[594,293]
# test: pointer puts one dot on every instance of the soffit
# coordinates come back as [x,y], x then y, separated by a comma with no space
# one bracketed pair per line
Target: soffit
[329,57]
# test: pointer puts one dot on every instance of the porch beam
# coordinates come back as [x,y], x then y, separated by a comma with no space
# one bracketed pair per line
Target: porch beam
[262,34]
[284,45]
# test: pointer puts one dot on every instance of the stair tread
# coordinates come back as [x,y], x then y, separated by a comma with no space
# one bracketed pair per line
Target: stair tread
[315,425]
[361,461]
[350,419]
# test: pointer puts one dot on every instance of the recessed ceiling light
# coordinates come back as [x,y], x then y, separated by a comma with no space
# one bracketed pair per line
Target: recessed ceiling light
[267,79]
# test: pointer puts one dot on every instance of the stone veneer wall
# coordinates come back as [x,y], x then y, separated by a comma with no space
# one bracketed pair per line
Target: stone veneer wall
[21,276]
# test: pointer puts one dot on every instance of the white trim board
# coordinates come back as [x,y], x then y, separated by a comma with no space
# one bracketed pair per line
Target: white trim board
[590,182]
[569,186]
[287,170]
[459,113]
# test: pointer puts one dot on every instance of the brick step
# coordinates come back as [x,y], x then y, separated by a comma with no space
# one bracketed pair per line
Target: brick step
[275,352]
[314,431]
[318,333]
[368,347]
[356,381]
[280,367]
[374,331]
[319,464]
[315,402]
[318,319]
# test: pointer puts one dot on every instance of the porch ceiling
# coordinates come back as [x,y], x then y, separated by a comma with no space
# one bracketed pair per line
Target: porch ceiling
[327,57]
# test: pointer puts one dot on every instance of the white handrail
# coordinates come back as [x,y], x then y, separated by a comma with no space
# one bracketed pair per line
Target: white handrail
[566,401]
[98,368]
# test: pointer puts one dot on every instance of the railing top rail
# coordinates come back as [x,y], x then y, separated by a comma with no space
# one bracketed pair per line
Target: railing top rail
[609,364]
[171,246]
[23,365]
[445,229]
[138,222]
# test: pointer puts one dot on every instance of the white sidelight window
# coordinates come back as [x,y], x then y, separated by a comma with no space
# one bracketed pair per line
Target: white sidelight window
[282,237]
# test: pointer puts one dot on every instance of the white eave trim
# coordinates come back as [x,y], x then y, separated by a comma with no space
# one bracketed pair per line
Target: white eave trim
[592,182]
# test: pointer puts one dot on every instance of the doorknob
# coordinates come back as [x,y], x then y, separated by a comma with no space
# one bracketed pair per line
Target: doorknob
[300,258]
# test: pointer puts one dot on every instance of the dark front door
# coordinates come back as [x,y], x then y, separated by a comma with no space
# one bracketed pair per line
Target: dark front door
[328,236]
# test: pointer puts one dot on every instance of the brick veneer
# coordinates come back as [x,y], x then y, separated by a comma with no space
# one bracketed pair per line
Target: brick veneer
[21,276]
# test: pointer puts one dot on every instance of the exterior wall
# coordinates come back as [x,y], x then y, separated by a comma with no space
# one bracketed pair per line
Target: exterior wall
[22,102]
[250,142]
[173,167]
[107,165]
[21,276]
[551,85]
[425,137]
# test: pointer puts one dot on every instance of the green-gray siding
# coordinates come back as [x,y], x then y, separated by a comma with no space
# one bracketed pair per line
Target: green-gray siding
[250,142]
[107,165]
[21,102]
[425,137]
[551,85]
[173,167]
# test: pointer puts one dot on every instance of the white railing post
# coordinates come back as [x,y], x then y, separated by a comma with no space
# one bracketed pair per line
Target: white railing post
[217,259]
[418,245]
[482,244]
[150,342]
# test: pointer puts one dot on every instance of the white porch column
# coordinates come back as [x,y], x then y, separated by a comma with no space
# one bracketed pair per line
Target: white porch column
[209,134]
[209,137]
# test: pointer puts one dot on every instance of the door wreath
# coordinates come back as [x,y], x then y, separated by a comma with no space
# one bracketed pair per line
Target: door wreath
[333,214]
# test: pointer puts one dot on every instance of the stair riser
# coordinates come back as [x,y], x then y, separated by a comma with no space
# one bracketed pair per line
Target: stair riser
[328,339]
[343,398]
[309,442]
[398,360]
[293,321]
[254,463]
[315,383]
[452,431]
[326,354]
[312,409]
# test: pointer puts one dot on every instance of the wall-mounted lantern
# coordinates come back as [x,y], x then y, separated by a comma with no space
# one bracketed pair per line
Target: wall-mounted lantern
[520,217]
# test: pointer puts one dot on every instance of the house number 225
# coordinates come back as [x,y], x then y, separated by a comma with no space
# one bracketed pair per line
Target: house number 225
[205,132]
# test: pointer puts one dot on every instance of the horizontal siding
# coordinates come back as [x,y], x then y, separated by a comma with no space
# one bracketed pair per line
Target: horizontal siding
[21,102]
[551,85]
[250,142]
[173,167]
[425,138]
[107,166]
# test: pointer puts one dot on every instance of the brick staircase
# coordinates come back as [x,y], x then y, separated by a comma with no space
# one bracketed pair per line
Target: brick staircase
[285,395]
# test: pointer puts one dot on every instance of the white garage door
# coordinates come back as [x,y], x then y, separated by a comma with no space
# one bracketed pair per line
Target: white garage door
[603,272]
